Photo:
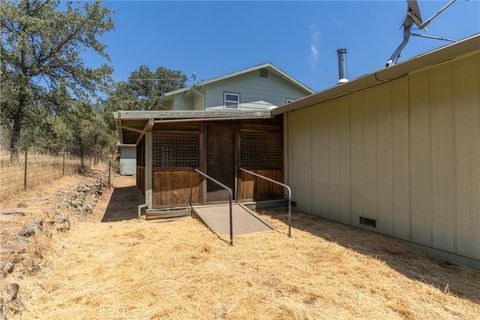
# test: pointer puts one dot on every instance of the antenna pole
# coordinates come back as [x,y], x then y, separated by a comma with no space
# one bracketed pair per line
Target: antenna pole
[396,54]
[431,37]
[426,22]
[413,17]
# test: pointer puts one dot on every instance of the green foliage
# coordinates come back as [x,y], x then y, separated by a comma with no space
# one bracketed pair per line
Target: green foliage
[144,87]
[43,74]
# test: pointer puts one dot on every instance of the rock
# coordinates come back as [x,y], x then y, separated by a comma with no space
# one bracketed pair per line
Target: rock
[38,221]
[83,188]
[22,204]
[85,209]
[62,223]
[65,226]
[11,292]
[12,249]
[7,267]
[30,265]
[8,211]
[60,218]
[30,231]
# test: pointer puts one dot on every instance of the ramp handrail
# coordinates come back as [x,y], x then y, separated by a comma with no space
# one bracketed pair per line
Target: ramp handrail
[230,198]
[289,191]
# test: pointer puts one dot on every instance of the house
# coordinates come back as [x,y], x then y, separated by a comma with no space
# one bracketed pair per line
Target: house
[261,87]
[395,151]
[257,88]
[173,143]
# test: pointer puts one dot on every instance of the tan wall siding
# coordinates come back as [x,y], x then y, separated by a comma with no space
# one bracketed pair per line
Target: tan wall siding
[406,153]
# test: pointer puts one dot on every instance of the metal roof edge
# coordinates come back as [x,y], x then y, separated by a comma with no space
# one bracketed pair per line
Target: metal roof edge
[434,57]
[193,114]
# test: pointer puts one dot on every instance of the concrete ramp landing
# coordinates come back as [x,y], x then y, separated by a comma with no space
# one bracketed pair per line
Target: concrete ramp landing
[216,217]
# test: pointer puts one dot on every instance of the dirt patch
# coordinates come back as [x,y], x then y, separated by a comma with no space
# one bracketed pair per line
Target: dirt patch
[149,270]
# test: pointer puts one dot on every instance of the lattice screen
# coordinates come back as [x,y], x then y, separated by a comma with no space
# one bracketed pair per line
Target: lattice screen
[175,149]
[261,149]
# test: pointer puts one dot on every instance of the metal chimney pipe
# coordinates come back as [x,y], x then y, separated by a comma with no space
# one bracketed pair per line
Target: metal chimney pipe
[342,66]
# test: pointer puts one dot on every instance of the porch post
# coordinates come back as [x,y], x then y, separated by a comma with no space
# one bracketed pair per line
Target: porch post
[148,169]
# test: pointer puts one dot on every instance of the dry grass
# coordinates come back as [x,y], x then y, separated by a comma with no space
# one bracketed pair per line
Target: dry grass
[179,269]
[41,169]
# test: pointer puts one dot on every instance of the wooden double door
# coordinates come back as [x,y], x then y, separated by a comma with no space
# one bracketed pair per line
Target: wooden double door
[221,155]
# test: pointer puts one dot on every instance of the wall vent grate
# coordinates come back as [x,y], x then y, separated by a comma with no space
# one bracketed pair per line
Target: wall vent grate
[368,222]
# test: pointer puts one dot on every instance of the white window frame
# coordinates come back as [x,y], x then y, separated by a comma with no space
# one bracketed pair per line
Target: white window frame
[288,100]
[231,101]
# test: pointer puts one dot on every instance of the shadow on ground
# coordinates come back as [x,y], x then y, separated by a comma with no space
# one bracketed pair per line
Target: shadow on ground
[122,205]
[412,263]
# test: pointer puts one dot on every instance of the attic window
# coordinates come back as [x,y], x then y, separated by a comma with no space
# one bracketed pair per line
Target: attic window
[263,73]
[231,100]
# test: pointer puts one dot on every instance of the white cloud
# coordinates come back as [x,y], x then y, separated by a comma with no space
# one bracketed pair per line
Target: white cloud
[314,46]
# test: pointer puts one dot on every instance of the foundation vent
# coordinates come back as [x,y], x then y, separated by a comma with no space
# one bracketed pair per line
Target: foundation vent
[368,222]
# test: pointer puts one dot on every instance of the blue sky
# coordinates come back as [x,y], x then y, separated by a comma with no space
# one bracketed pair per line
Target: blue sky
[301,38]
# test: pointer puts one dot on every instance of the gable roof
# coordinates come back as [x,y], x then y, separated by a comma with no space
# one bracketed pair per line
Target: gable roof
[425,60]
[267,65]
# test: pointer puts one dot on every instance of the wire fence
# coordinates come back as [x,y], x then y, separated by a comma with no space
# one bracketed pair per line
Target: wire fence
[33,169]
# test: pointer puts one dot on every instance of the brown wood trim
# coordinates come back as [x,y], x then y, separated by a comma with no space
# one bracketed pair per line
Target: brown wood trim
[173,169]
[176,131]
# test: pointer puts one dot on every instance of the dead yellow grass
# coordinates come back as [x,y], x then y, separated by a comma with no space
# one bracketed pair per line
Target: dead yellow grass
[180,270]
[41,169]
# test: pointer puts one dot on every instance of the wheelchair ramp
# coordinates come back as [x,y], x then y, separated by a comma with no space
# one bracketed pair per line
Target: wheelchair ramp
[216,217]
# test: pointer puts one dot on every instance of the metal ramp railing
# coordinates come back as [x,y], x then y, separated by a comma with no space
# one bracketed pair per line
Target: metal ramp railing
[230,198]
[289,192]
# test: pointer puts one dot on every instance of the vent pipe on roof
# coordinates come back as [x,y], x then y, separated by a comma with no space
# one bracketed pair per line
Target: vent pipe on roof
[342,66]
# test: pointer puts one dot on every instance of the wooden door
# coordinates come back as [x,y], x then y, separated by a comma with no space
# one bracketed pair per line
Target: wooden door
[220,160]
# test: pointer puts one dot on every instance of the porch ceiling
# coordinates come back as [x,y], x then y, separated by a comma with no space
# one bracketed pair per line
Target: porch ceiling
[131,125]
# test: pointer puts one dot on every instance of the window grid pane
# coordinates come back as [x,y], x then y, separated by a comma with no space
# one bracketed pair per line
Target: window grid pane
[175,149]
[261,150]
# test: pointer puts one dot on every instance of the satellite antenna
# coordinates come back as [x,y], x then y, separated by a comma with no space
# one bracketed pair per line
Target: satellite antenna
[413,17]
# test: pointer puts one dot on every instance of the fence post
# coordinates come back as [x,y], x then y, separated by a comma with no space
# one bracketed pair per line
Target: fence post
[109,173]
[63,171]
[25,169]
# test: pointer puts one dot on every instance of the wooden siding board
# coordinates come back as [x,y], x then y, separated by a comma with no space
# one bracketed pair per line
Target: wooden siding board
[384,158]
[400,156]
[467,155]
[301,153]
[420,159]
[319,173]
[176,188]
[333,209]
[343,159]
[443,202]
[357,159]
[370,154]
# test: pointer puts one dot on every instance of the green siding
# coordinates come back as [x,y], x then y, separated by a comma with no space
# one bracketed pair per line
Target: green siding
[256,93]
